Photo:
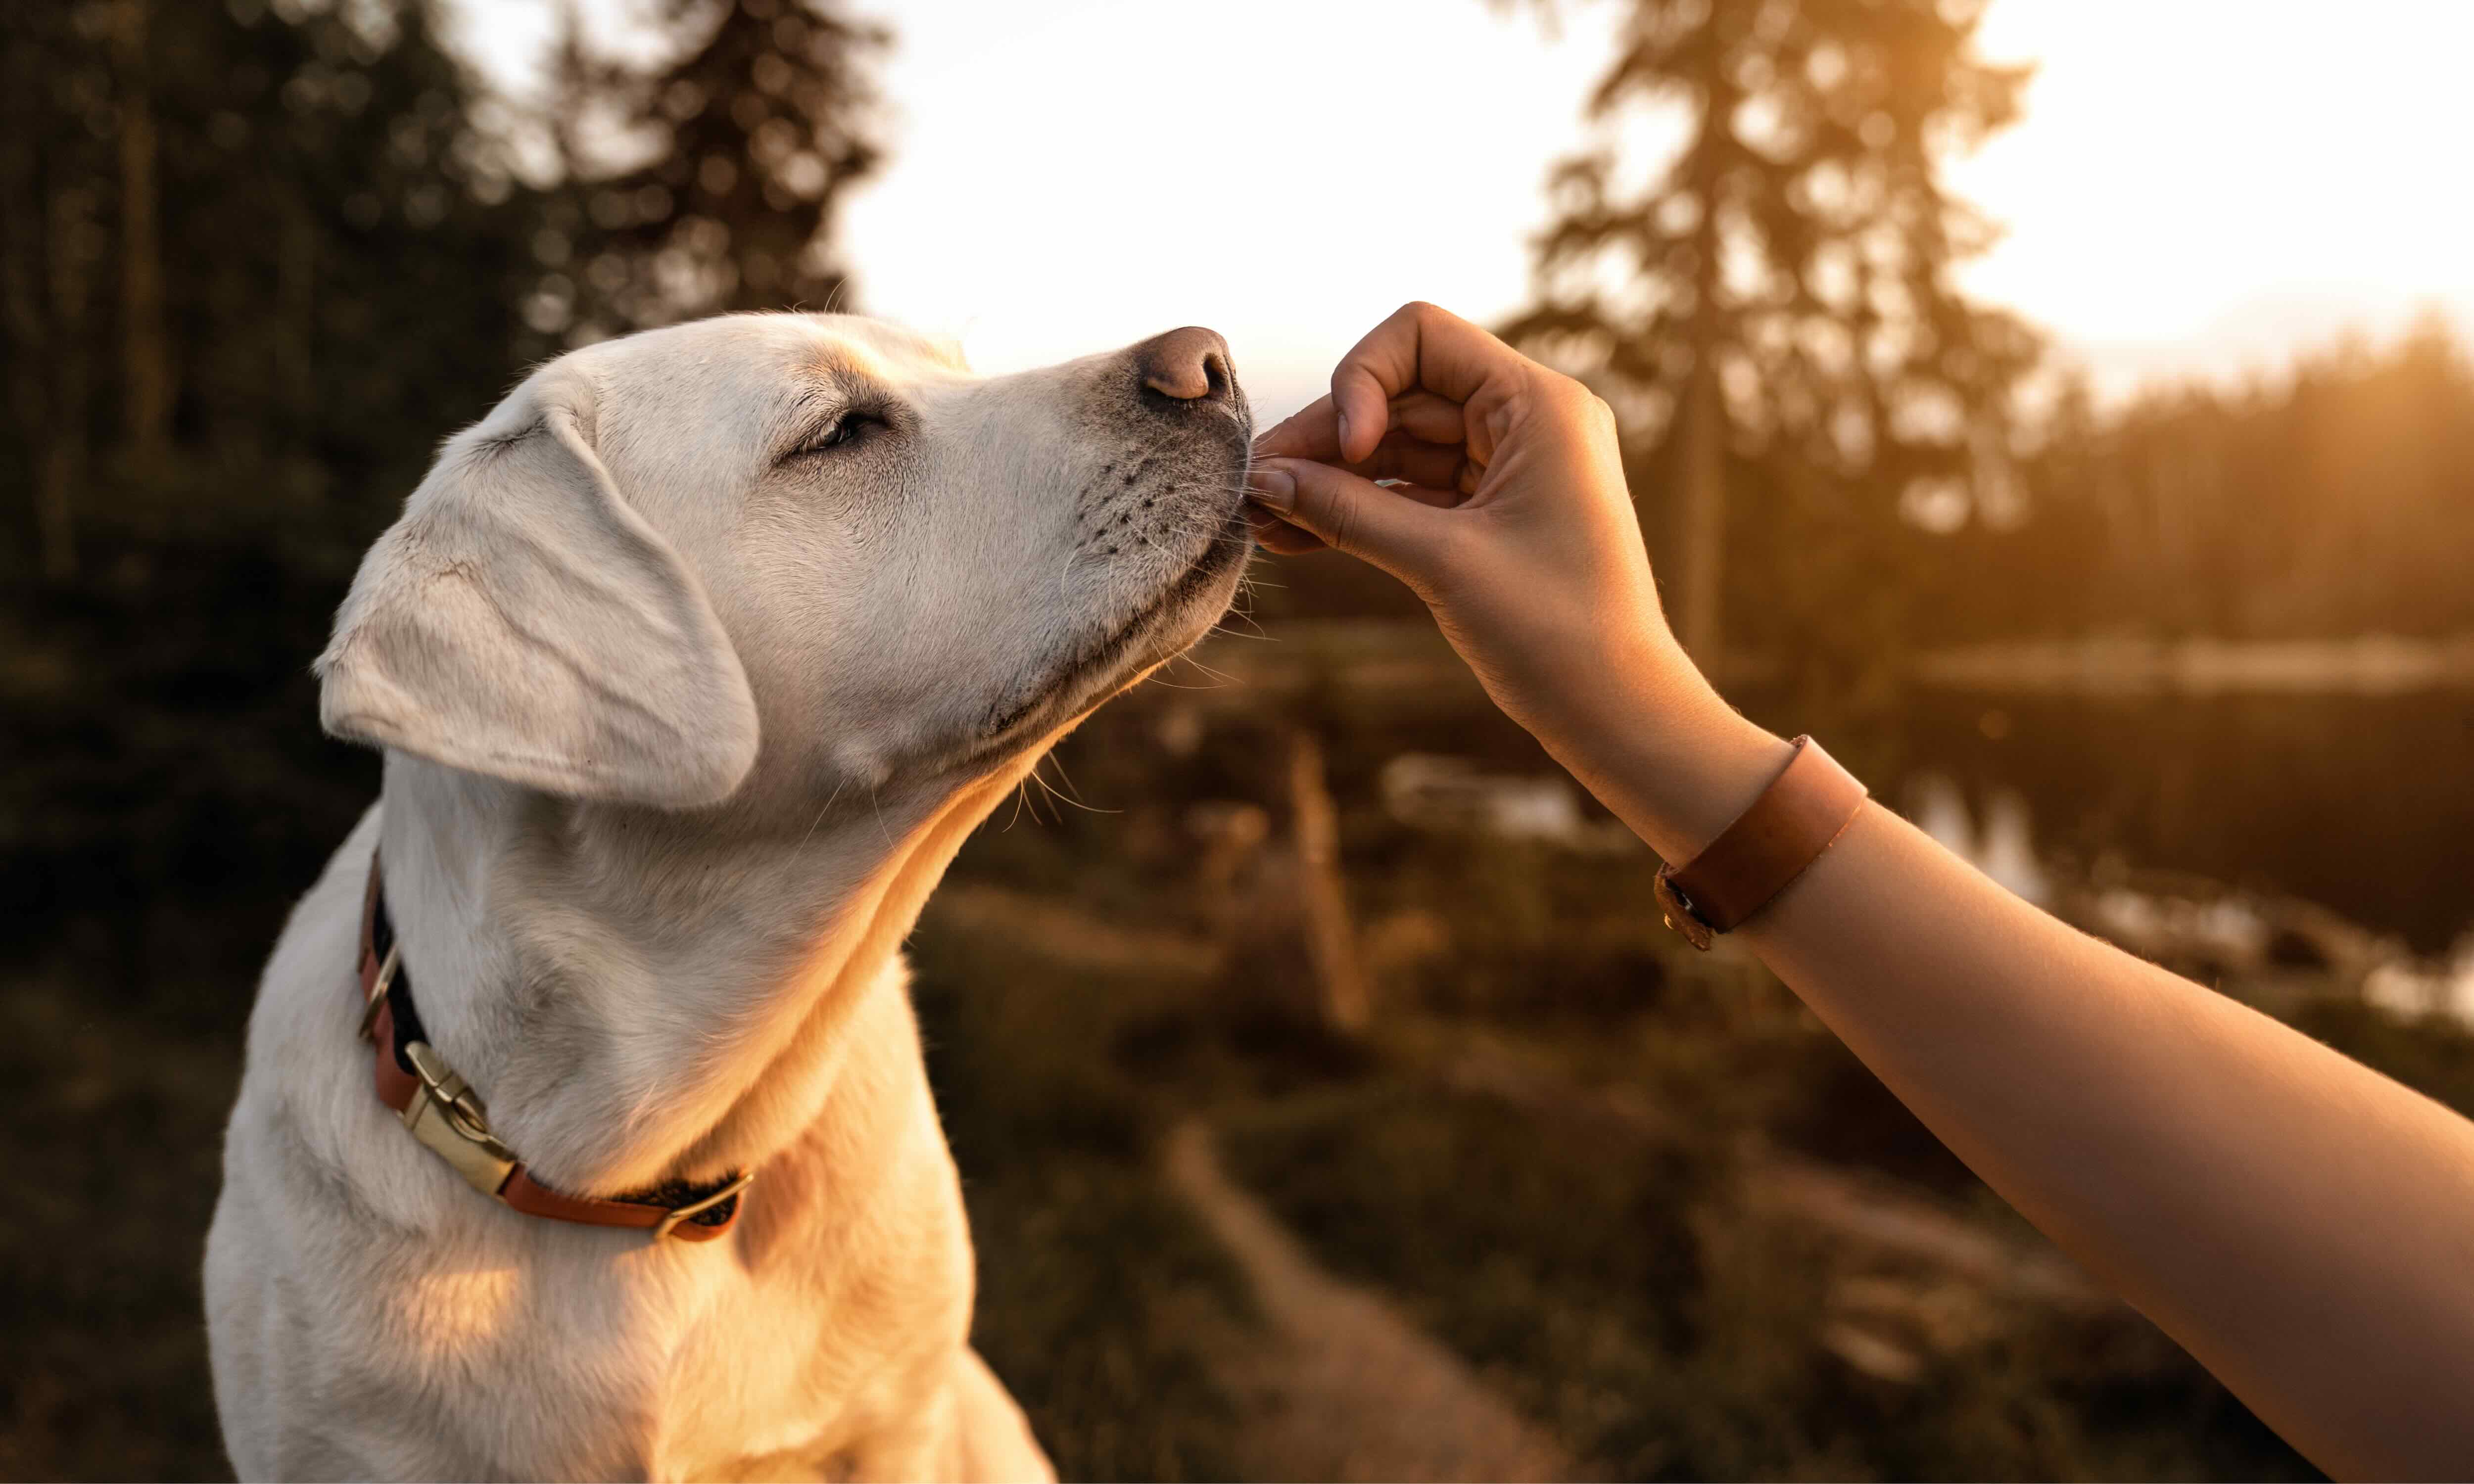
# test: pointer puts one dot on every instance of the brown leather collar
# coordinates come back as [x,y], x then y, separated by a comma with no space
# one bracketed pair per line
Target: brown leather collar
[446,1115]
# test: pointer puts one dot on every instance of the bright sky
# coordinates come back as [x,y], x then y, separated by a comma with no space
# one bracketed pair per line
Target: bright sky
[2198,185]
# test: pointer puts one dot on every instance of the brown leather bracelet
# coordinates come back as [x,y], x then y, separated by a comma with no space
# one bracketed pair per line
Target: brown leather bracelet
[1805,809]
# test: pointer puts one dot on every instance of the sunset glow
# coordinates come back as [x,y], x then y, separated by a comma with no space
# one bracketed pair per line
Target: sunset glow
[2197,187]
[2198,184]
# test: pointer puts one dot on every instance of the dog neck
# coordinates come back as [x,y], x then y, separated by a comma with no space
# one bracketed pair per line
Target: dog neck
[642,997]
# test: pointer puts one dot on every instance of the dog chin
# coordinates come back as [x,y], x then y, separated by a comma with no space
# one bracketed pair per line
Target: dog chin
[1182,613]
[1187,610]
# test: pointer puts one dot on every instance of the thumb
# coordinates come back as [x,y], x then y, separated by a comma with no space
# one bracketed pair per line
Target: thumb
[1389,528]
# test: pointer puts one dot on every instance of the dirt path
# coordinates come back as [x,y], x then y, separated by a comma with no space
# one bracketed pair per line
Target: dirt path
[1346,1388]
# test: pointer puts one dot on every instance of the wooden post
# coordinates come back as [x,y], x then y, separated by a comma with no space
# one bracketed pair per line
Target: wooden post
[1331,940]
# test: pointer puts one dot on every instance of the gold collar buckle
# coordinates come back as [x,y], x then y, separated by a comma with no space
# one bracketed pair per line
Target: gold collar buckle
[448,1115]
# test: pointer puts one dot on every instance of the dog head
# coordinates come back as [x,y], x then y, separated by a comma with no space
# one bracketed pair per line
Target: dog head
[813,539]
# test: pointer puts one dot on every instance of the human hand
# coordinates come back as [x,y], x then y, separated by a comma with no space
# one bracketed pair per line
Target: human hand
[1510,517]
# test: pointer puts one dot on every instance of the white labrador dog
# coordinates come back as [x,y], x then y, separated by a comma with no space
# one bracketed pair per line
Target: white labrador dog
[694,663]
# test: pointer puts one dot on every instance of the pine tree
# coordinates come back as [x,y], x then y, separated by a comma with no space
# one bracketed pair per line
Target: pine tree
[748,138]
[342,252]
[55,113]
[1776,311]
[146,355]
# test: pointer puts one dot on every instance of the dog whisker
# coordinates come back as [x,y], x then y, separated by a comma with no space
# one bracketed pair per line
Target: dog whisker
[821,809]
[1069,783]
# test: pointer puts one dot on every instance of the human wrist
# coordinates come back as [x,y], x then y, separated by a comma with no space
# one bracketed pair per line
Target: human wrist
[1605,689]
[1663,749]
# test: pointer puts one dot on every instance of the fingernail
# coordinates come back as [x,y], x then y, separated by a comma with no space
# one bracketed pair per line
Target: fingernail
[1343,435]
[1275,490]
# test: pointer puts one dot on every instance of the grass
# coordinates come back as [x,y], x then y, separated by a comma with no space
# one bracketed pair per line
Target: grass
[1100,1300]
[1608,1280]
[1617,1293]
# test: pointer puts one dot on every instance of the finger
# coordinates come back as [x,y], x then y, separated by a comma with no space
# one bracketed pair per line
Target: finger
[1313,431]
[1367,520]
[1261,513]
[1421,347]
[1435,420]
[1448,484]
[1278,536]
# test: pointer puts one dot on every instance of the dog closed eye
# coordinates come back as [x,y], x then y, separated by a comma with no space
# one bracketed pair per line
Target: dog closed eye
[848,429]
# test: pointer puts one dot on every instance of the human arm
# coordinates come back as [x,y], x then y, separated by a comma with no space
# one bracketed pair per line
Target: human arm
[2302,1225]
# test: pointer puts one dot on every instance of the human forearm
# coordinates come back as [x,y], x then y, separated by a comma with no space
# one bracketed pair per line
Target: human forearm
[2304,1226]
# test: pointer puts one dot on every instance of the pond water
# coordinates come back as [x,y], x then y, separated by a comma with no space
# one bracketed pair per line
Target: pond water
[2363,804]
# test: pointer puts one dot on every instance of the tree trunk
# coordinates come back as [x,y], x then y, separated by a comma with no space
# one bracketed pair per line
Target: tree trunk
[23,223]
[1331,941]
[1712,159]
[146,355]
[1700,570]
[61,468]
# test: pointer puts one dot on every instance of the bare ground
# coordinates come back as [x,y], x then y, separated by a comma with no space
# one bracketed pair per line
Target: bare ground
[1344,1387]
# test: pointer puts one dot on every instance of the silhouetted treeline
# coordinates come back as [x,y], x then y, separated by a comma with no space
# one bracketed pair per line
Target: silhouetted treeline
[2332,501]
[256,260]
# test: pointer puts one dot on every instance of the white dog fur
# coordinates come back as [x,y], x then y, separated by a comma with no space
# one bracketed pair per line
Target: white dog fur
[694,663]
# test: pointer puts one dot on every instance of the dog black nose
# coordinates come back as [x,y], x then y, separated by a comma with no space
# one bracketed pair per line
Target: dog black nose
[1190,365]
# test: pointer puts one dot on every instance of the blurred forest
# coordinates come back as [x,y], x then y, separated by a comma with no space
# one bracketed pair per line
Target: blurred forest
[2333,499]
[257,261]
[258,258]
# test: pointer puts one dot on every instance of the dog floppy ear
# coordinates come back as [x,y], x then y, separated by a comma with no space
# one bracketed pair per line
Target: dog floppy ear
[521,620]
